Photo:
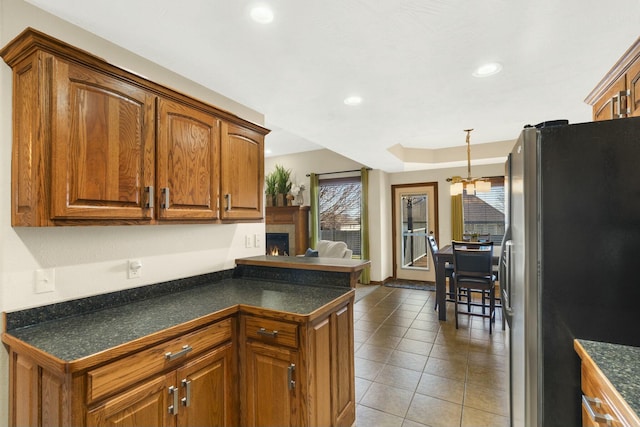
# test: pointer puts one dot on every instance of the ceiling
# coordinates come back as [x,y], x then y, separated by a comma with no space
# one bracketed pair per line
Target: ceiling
[411,62]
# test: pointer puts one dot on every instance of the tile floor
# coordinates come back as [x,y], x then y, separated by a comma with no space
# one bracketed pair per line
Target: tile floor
[413,370]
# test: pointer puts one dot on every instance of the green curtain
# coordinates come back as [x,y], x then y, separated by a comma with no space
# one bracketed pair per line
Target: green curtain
[365,277]
[457,221]
[315,210]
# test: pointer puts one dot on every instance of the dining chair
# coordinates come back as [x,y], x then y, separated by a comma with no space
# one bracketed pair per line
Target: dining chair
[448,269]
[473,273]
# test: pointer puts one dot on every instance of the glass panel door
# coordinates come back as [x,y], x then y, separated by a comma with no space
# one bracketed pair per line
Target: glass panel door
[415,220]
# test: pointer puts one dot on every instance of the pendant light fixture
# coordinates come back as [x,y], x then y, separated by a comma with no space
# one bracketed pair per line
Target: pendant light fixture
[471,185]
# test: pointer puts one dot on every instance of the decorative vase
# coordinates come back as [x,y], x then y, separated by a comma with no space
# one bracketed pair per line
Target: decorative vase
[280,199]
[269,200]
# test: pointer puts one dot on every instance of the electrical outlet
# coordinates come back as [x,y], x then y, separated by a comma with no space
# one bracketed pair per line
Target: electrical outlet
[45,280]
[247,241]
[134,269]
[256,240]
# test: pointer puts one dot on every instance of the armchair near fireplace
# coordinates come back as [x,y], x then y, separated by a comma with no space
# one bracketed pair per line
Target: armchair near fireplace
[333,249]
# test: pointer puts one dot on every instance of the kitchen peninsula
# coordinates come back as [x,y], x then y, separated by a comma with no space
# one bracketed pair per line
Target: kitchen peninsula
[269,351]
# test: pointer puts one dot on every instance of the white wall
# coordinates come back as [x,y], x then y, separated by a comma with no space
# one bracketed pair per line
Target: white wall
[92,260]
[317,161]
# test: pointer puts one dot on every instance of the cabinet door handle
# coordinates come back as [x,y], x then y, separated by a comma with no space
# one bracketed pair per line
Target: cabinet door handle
[290,370]
[165,198]
[228,198]
[186,401]
[618,98]
[265,333]
[173,356]
[173,409]
[587,403]
[150,201]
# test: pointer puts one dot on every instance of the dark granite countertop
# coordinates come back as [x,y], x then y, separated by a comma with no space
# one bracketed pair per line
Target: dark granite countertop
[79,336]
[621,365]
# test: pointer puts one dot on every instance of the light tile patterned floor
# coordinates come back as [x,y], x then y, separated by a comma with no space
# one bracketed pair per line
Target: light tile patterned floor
[414,371]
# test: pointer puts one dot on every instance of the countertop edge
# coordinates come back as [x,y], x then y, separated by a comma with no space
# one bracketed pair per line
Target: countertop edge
[108,354]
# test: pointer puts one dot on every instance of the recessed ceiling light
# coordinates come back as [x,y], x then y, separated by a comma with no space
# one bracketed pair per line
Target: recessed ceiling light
[353,100]
[262,14]
[488,69]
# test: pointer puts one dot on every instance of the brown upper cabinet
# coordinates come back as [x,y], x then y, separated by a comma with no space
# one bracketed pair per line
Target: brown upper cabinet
[94,144]
[618,93]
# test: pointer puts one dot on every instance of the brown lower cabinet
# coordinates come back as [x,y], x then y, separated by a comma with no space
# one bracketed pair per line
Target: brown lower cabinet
[254,368]
[196,394]
[297,374]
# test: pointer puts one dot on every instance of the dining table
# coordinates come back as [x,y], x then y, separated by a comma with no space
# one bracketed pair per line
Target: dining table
[444,256]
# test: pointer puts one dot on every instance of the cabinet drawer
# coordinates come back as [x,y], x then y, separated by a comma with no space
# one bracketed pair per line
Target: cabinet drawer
[115,376]
[271,331]
[601,398]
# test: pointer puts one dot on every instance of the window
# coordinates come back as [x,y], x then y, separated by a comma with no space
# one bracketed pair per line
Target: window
[484,212]
[340,203]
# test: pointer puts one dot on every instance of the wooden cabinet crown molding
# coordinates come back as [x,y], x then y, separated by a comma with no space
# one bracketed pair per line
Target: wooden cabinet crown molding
[31,40]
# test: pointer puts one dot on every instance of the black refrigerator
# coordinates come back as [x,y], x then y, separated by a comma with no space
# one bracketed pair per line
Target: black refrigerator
[570,260]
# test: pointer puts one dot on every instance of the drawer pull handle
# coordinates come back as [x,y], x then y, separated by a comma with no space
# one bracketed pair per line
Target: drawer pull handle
[265,333]
[587,403]
[173,356]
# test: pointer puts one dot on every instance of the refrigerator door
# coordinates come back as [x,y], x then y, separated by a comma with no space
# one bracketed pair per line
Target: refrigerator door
[523,281]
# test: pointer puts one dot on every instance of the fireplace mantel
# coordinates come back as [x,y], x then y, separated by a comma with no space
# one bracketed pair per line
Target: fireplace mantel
[293,220]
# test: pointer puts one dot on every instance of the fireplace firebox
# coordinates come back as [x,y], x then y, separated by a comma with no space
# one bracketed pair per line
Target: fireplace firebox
[277,244]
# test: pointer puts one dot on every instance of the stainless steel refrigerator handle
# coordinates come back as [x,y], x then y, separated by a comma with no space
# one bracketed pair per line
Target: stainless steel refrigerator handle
[596,416]
[505,278]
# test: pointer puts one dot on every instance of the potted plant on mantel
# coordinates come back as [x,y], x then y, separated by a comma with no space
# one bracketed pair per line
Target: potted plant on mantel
[270,182]
[283,184]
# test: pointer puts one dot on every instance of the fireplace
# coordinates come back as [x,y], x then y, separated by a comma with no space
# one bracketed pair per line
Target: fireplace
[277,244]
[291,220]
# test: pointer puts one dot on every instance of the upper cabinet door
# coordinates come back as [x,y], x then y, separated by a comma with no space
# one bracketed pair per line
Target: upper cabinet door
[102,146]
[611,104]
[187,162]
[633,83]
[242,172]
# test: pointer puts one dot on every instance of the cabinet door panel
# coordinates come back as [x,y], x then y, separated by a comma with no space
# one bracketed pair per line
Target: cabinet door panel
[608,106]
[146,405]
[343,389]
[242,177]
[320,377]
[208,383]
[270,401]
[102,149]
[633,83]
[188,157]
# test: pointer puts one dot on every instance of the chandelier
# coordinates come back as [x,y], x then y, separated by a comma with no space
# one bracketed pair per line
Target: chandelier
[471,185]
